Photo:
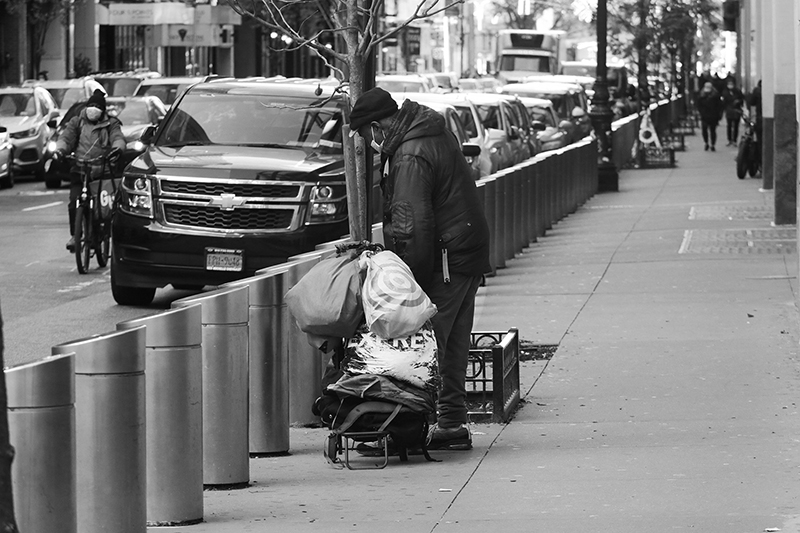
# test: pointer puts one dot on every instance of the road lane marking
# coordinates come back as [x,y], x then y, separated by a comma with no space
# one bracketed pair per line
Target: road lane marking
[84,284]
[43,206]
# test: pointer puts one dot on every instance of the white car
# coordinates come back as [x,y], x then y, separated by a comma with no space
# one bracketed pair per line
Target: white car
[489,159]
[403,83]
[168,88]
[30,115]
[67,92]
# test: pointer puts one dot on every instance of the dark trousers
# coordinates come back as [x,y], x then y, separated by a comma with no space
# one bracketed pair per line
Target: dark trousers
[733,130]
[453,326]
[709,132]
[74,191]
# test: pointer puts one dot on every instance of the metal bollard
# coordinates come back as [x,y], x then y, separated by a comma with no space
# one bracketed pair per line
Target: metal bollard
[520,241]
[269,362]
[508,214]
[491,219]
[527,209]
[174,415]
[306,363]
[110,431]
[41,426]
[226,458]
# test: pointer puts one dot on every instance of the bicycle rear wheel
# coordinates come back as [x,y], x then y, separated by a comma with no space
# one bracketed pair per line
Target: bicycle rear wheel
[83,238]
[103,245]
[742,158]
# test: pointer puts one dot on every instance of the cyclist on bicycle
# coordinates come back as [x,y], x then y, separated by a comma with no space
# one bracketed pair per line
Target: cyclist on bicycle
[91,134]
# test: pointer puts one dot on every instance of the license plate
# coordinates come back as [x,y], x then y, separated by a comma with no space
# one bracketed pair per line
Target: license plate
[226,260]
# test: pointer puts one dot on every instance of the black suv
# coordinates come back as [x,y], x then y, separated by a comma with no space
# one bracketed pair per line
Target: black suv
[240,175]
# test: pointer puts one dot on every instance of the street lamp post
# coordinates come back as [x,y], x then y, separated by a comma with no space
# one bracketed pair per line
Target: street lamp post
[601,114]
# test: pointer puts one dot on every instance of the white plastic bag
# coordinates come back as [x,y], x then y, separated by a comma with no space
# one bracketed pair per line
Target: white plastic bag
[394,303]
[411,359]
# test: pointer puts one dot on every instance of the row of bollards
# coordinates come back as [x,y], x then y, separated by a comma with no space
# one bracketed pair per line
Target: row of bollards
[123,430]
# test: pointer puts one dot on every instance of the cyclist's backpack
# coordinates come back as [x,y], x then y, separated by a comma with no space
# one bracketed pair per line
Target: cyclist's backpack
[104,190]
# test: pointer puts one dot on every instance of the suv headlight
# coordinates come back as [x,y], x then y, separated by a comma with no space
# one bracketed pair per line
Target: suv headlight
[328,203]
[136,197]
[24,134]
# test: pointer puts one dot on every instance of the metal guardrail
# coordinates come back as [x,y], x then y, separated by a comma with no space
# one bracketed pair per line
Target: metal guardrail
[493,386]
[259,374]
[174,415]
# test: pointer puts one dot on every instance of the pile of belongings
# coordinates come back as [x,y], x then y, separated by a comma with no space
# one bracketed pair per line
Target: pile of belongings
[365,305]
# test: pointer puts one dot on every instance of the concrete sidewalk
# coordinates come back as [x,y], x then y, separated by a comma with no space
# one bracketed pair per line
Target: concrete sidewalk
[670,404]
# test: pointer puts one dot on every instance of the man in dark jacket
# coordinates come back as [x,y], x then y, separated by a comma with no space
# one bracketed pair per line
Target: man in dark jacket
[434,221]
[734,101]
[710,106]
[90,134]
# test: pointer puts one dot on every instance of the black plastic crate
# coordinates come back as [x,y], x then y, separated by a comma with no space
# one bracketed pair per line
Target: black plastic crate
[493,388]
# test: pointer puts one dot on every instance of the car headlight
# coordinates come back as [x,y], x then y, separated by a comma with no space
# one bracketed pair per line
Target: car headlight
[328,203]
[136,197]
[136,146]
[24,134]
[51,146]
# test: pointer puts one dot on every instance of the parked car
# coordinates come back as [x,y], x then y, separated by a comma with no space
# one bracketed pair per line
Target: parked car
[470,85]
[6,159]
[169,88]
[471,150]
[240,175]
[552,133]
[136,113]
[522,124]
[496,113]
[569,101]
[490,85]
[30,115]
[403,83]
[67,92]
[617,74]
[123,83]
[443,82]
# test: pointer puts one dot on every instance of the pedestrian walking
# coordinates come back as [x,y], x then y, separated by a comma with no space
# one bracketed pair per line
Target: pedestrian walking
[710,106]
[434,221]
[733,98]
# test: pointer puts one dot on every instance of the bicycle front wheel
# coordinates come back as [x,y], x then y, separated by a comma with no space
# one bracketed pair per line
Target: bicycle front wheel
[103,247]
[83,238]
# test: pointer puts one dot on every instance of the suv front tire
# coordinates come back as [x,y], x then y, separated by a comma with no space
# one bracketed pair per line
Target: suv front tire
[131,295]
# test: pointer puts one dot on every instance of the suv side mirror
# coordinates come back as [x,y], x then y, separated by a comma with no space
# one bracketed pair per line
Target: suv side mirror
[3,129]
[148,134]
[470,150]
[514,134]
[538,125]
[495,135]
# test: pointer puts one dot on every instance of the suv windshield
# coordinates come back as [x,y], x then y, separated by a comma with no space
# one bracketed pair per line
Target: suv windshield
[212,118]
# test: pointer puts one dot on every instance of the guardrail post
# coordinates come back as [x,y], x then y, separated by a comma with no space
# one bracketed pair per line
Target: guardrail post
[527,206]
[269,362]
[508,214]
[41,425]
[224,319]
[174,414]
[519,214]
[110,431]
[489,210]
[500,218]
[306,363]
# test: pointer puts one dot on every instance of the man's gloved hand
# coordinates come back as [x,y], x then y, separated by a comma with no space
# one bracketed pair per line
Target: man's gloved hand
[59,155]
[114,154]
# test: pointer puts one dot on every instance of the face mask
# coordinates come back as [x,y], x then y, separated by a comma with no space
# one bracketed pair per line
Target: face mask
[93,114]
[375,146]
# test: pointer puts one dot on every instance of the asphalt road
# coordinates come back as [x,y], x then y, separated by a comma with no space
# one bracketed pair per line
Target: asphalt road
[43,299]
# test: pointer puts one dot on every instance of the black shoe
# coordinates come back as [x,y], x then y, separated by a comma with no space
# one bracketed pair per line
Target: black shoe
[71,244]
[713,149]
[458,438]
[706,148]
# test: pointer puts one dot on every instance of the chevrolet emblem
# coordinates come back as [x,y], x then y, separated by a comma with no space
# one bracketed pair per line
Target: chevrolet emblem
[227,201]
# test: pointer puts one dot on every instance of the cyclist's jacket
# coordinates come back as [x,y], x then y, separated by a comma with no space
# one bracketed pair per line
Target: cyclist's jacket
[89,140]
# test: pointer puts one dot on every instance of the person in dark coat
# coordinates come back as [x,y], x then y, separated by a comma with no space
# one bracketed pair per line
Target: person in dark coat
[711,107]
[433,219]
[90,134]
[734,102]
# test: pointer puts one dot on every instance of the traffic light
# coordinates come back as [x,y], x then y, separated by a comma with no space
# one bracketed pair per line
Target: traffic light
[730,12]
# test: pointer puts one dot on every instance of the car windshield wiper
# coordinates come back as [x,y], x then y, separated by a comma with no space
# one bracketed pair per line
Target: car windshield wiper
[181,144]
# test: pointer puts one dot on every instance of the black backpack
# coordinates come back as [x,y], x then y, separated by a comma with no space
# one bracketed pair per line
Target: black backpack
[350,415]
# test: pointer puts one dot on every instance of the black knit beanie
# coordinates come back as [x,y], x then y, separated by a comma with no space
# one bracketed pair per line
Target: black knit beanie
[98,100]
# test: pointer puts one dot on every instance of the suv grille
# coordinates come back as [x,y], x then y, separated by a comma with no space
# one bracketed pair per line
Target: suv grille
[266,190]
[238,219]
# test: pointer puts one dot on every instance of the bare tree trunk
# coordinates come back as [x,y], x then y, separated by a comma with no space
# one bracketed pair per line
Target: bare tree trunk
[8,522]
